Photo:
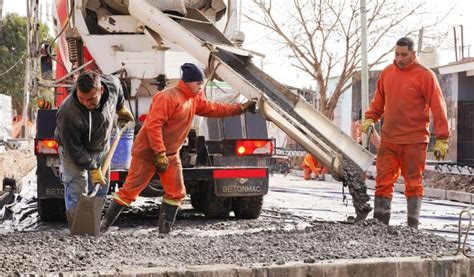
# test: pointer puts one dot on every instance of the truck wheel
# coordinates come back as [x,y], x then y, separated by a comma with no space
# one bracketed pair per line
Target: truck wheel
[51,210]
[213,206]
[197,201]
[248,207]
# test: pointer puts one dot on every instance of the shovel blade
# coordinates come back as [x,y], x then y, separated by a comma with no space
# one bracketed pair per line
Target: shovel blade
[87,216]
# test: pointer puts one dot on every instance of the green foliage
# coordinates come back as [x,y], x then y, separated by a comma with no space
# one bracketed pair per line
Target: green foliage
[13,50]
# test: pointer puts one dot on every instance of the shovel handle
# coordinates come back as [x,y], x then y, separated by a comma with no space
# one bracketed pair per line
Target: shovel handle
[96,189]
[108,158]
[110,154]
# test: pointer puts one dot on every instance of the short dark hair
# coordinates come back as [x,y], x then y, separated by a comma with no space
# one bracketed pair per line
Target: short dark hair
[406,41]
[87,81]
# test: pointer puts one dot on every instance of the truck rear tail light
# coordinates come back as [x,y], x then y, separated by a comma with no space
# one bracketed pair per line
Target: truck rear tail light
[114,176]
[47,146]
[253,147]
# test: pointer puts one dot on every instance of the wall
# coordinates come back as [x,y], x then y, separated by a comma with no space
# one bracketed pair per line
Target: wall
[449,86]
[5,116]
[465,126]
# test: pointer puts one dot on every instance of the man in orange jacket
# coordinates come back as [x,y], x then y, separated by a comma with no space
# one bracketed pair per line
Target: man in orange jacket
[156,147]
[312,165]
[406,92]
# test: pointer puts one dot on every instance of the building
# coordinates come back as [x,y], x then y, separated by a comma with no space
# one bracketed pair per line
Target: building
[457,82]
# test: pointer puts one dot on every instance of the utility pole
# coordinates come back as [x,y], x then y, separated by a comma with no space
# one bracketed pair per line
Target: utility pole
[462,41]
[31,64]
[1,20]
[420,40]
[364,70]
[455,44]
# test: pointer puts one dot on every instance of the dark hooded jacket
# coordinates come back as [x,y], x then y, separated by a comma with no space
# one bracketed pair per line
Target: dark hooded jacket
[82,132]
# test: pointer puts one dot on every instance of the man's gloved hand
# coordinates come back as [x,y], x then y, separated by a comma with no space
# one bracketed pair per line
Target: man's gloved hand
[124,116]
[248,106]
[366,124]
[161,162]
[96,176]
[440,149]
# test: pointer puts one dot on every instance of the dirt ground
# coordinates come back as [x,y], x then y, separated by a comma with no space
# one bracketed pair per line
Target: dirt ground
[17,163]
[449,181]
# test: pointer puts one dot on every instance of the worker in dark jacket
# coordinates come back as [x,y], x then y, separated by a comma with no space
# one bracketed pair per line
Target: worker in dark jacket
[156,147]
[83,128]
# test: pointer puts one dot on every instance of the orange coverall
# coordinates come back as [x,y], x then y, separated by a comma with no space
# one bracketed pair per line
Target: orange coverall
[312,165]
[164,130]
[404,97]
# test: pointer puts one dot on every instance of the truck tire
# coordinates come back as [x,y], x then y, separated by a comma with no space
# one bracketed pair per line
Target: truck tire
[197,201]
[213,206]
[248,207]
[51,210]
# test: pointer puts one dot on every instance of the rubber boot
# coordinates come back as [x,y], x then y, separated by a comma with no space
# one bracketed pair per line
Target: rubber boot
[111,215]
[167,215]
[70,217]
[413,211]
[382,207]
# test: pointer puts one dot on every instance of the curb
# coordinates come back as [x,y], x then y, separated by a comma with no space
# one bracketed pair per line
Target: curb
[389,267]
[443,194]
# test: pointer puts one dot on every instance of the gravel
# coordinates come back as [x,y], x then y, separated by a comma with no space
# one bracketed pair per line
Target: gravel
[277,237]
[55,250]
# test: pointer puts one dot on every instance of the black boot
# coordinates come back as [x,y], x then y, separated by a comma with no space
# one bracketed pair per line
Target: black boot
[382,207]
[413,211]
[111,215]
[167,215]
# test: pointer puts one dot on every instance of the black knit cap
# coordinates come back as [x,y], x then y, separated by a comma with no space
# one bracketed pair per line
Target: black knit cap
[191,73]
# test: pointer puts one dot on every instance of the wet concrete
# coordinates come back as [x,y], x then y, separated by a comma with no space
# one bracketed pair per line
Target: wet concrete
[297,225]
[354,179]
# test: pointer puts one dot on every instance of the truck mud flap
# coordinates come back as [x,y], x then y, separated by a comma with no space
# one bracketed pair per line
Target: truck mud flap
[48,184]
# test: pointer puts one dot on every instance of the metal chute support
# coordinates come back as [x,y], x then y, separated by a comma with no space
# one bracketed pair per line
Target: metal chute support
[197,36]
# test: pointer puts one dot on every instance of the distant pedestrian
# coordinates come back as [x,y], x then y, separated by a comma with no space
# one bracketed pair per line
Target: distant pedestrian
[285,167]
[406,92]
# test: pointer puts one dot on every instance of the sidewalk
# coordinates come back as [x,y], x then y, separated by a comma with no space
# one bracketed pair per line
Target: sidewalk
[442,194]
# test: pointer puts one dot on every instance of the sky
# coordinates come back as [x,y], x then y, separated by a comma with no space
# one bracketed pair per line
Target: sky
[275,59]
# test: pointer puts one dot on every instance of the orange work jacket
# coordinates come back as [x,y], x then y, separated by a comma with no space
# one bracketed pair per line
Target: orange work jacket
[170,117]
[404,97]
[312,163]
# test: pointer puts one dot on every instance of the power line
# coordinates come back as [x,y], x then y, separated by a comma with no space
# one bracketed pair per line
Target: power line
[1,74]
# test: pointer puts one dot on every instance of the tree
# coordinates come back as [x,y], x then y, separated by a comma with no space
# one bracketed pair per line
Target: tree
[323,36]
[13,55]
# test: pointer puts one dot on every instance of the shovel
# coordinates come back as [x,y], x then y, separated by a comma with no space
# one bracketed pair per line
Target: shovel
[87,215]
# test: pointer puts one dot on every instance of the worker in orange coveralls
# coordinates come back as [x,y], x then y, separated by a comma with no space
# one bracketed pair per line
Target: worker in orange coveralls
[406,92]
[156,147]
[312,165]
